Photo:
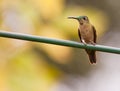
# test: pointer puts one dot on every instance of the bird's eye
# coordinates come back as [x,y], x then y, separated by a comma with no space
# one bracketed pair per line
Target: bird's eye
[85,18]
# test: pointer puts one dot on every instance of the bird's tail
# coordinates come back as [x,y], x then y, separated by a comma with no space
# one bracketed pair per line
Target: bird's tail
[92,56]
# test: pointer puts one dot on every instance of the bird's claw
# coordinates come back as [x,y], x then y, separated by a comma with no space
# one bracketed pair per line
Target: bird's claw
[84,42]
[93,43]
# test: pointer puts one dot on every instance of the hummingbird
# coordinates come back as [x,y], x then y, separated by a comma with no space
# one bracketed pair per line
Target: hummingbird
[87,35]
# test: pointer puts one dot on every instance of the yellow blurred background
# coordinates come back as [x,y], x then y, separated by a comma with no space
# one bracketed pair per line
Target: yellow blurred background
[28,66]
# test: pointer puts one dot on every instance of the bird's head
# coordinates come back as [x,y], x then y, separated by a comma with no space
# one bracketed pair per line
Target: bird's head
[81,19]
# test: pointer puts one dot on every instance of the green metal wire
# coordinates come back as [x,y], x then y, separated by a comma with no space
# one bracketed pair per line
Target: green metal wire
[58,42]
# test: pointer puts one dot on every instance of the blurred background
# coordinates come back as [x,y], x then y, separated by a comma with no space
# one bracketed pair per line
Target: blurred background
[28,66]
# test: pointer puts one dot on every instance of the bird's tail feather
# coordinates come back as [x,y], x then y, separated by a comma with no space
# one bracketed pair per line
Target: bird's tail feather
[92,56]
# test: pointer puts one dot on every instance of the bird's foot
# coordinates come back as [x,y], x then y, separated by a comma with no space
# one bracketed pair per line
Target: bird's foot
[93,43]
[84,42]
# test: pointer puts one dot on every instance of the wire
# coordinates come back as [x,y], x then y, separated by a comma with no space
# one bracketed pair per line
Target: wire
[68,43]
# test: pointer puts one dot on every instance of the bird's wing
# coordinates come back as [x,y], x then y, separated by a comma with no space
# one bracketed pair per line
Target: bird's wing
[95,35]
[79,35]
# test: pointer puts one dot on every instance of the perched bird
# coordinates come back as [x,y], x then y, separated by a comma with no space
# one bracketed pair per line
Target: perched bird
[87,35]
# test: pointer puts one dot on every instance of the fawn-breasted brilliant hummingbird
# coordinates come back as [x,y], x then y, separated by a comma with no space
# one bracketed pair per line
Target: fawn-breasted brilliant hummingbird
[87,35]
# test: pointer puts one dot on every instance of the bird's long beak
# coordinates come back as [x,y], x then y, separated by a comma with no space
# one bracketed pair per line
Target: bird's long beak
[75,17]
[72,17]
